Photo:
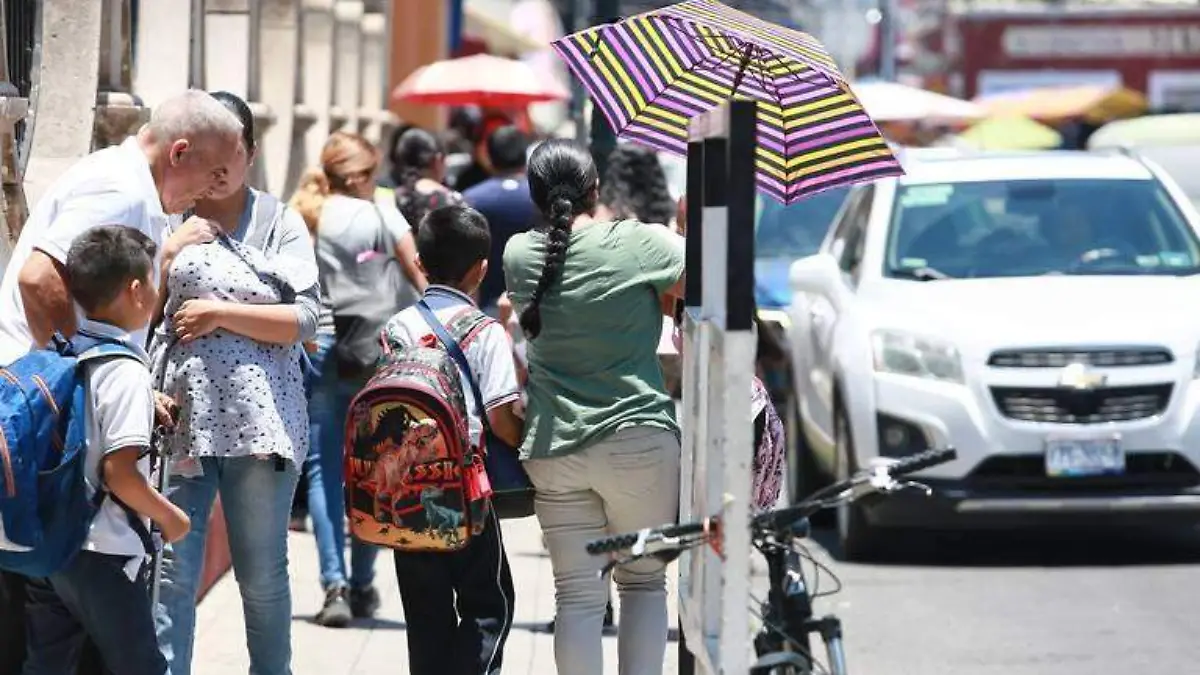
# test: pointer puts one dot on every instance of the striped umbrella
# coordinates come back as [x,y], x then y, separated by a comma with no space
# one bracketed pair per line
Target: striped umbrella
[652,73]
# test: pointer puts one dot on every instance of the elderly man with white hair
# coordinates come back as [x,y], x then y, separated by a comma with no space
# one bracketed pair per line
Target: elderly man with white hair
[185,150]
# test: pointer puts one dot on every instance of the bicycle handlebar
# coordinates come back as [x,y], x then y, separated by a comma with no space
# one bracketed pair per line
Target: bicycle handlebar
[878,477]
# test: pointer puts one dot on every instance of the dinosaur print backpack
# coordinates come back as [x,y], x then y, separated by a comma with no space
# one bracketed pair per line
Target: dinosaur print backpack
[413,481]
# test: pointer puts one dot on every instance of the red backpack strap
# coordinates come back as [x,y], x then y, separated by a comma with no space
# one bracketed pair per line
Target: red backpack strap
[466,324]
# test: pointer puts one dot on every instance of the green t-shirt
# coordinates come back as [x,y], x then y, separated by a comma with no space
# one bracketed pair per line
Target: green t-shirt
[594,368]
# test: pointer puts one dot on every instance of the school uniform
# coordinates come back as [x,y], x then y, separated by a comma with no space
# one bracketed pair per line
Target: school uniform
[102,594]
[458,607]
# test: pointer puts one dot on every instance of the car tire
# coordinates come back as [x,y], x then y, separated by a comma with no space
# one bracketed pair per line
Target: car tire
[858,540]
[804,476]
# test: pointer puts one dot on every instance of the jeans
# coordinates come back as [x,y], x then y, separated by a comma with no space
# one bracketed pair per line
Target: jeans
[327,405]
[12,623]
[256,496]
[92,597]
[458,607]
[621,483]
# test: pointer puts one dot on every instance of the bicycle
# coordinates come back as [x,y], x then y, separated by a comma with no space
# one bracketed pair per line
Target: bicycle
[782,645]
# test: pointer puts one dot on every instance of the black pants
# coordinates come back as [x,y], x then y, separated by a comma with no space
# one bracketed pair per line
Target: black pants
[12,623]
[12,632]
[92,597]
[458,607]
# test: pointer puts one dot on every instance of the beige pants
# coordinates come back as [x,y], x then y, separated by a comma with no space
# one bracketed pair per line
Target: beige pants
[625,482]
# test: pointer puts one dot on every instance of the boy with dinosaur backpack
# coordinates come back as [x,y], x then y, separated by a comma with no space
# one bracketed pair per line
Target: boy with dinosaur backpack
[417,484]
[97,388]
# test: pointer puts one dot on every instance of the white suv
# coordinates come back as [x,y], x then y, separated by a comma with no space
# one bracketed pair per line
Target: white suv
[1037,311]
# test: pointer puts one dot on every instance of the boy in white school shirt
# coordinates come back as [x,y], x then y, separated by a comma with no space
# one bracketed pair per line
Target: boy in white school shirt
[101,595]
[458,607]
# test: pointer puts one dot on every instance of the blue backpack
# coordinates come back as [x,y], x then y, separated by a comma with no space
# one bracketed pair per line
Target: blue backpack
[45,505]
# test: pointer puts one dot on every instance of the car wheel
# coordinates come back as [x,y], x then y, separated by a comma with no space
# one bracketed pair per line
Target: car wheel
[857,539]
[804,477]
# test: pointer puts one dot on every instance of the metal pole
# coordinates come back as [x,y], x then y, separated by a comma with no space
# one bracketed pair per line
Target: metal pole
[887,40]
[603,138]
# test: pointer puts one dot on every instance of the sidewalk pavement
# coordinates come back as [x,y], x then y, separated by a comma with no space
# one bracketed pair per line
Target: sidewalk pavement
[379,645]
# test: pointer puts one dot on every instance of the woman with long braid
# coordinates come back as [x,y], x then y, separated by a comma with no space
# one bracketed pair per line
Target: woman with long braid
[601,443]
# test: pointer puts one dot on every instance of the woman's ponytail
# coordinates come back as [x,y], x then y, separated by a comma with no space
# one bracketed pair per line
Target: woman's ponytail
[309,198]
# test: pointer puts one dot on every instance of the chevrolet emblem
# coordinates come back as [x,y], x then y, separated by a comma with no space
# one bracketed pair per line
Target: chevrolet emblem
[1079,376]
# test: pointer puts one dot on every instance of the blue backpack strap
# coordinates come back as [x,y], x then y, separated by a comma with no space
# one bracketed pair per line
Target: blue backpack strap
[101,349]
[455,351]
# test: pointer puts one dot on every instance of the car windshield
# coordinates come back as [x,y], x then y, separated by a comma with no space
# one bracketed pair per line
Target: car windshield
[795,230]
[1035,227]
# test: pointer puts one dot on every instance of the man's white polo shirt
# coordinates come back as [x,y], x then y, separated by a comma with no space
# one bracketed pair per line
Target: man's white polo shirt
[112,186]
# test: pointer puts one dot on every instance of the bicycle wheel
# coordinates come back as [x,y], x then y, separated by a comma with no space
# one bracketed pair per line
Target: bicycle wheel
[781,663]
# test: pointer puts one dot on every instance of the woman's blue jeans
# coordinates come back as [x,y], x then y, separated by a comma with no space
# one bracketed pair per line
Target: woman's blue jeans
[328,401]
[256,496]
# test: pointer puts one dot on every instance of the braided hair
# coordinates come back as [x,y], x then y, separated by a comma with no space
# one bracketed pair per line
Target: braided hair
[562,182]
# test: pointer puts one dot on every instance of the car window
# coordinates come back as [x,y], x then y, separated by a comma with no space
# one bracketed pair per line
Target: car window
[796,230]
[856,230]
[841,227]
[1034,227]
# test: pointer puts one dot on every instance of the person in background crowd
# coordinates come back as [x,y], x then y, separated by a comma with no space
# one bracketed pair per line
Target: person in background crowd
[421,169]
[385,184]
[345,223]
[504,200]
[229,351]
[635,186]
[189,145]
[458,606]
[601,443]
[481,168]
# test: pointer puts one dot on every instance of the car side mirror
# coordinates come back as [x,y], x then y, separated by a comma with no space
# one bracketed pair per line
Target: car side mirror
[814,274]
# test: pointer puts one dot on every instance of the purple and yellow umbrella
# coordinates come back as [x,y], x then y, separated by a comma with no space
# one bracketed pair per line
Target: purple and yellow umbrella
[652,73]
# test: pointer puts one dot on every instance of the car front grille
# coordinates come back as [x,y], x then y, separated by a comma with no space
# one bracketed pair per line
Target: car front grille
[1058,357]
[1074,406]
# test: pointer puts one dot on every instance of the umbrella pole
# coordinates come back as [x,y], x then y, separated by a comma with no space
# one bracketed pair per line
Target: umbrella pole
[747,54]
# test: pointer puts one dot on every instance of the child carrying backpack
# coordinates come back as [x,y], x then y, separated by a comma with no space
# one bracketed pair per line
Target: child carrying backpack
[75,470]
[416,434]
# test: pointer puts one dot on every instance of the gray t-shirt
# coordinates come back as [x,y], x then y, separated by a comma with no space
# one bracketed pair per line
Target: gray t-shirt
[348,231]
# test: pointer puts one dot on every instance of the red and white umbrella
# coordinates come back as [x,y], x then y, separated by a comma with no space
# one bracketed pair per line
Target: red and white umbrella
[483,80]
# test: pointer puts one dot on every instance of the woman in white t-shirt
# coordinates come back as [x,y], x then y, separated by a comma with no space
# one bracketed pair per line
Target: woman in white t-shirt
[367,261]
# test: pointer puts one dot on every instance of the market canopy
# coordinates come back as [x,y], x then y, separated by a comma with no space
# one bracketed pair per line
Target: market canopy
[1010,133]
[1151,130]
[1092,103]
[895,102]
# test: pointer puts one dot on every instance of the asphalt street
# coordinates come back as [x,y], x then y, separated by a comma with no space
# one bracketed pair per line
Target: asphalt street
[1051,603]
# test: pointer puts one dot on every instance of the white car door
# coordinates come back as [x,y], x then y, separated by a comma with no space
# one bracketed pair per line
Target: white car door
[820,315]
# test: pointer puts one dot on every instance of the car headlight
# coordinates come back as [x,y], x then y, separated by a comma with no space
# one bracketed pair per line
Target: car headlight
[905,354]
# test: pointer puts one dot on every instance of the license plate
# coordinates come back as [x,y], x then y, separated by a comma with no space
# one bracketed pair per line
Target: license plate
[1068,457]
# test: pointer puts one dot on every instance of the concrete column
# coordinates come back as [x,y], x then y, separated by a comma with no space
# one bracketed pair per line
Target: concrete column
[163,68]
[279,57]
[419,35]
[312,119]
[65,95]
[119,113]
[232,62]
[13,109]
[347,63]
[372,109]
[227,37]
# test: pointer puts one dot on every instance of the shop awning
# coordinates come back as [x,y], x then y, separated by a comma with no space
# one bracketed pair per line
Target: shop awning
[500,38]
[1095,104]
